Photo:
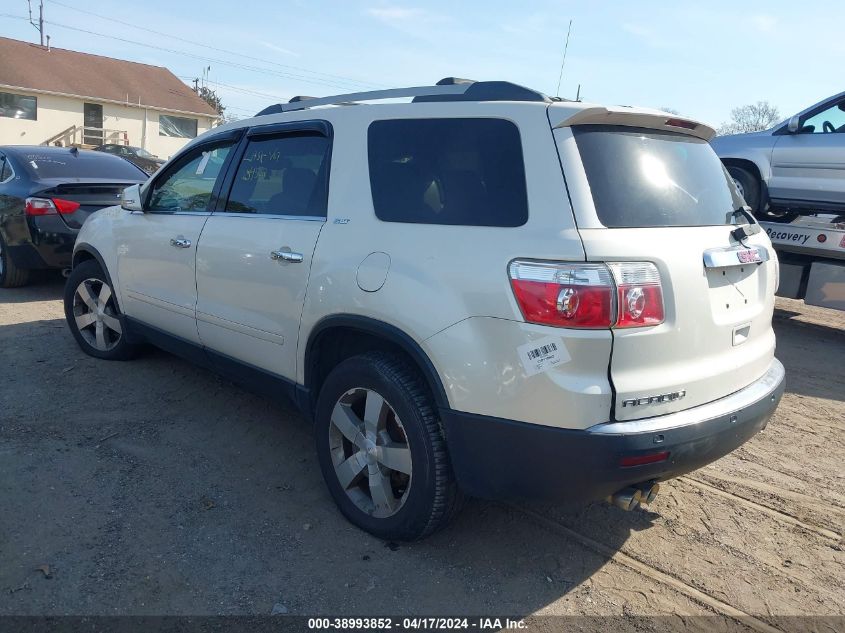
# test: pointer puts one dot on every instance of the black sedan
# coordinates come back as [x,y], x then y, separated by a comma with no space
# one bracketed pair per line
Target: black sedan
[136,155]
[45,195]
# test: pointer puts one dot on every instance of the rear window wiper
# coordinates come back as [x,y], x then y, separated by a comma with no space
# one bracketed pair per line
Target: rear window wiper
[749,228]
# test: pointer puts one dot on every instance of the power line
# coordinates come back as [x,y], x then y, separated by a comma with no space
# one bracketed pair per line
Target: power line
[328,76]
[239,89]
[263,71]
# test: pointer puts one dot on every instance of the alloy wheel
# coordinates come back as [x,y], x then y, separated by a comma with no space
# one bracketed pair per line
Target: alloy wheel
[95,314]
[370,452]
[739,188]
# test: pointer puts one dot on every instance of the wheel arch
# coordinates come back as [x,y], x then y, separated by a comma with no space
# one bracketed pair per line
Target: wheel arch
[84,252]
[338,337]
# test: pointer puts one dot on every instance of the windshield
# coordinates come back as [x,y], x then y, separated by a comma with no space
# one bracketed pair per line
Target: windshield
[642,177]
[142,153]
[79,164]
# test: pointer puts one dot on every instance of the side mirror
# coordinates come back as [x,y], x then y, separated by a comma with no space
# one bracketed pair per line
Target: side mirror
[130,199]
[794,125]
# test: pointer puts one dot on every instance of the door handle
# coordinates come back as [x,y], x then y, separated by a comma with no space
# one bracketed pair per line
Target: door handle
[180,242]
[286,256]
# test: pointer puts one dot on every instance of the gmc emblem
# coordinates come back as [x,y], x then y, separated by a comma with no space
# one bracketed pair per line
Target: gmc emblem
[664,397]
[750,256]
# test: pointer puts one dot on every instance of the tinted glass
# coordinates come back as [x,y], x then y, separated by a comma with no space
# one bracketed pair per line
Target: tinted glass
[188,185]
[18,106]
[833,116]
[177,126]
[448,171]
[286,175]
[65,163]
[5,169]
[642,177]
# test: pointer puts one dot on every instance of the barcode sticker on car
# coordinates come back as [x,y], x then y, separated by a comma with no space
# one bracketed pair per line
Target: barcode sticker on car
[542,355]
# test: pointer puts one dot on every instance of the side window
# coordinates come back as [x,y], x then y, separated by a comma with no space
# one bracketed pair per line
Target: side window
[282,175]
[448,171]
[5,169]
[830,120]
[187,186]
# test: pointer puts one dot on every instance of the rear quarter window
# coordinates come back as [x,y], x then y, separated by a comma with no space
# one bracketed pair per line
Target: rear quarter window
[448,171]
[650,178]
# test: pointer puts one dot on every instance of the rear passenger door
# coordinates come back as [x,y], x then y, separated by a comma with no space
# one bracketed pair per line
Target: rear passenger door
[254,257]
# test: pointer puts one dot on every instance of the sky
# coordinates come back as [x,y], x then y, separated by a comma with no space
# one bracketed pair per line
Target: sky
[699,58]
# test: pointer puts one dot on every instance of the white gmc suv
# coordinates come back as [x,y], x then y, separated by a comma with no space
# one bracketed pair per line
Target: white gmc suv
[483,291]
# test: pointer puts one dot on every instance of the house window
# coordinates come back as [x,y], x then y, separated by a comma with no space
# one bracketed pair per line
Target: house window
[177,126]
[18,106]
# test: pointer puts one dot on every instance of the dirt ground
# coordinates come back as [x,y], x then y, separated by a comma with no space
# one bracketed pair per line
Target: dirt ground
[154,487]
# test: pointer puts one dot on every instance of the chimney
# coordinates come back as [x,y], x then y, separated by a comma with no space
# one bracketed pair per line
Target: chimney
[48,43]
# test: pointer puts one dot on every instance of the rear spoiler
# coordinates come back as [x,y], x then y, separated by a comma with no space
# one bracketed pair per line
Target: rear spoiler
[623,115]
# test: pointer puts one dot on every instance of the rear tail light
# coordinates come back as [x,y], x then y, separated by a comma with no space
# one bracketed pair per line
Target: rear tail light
[621,294]
[50,206]
[566,295]
[639,294]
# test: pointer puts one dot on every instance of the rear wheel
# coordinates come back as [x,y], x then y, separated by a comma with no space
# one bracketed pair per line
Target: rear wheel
[381,449]
[751,189]
[10,275]
[93,315]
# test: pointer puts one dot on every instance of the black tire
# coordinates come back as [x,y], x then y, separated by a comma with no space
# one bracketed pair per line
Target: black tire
[752,190]
[432,497]
[749,186]
[90,274]
[10,275]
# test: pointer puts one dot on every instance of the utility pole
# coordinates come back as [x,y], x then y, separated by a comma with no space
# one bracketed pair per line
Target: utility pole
[40,25]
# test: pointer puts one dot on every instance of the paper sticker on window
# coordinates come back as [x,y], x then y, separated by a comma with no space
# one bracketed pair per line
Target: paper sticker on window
[203,163]
[543,354]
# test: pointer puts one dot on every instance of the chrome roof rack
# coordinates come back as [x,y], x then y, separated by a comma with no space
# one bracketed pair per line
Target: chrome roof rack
[448,89]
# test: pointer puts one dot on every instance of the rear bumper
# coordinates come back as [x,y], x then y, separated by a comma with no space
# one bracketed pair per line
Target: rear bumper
[495,458]
[50,244]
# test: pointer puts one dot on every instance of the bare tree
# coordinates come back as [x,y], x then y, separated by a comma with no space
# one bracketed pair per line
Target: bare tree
[751,118]
[670,111]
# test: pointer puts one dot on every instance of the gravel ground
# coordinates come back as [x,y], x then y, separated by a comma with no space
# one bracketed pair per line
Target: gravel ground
[153,487]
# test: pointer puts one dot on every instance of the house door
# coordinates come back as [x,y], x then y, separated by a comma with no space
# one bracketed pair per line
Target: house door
[92,115]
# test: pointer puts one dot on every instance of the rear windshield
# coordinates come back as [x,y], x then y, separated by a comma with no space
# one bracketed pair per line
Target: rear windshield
[81,164]
[641,177]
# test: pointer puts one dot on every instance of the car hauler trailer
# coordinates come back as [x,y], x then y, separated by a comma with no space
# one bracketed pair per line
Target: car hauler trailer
[811,251]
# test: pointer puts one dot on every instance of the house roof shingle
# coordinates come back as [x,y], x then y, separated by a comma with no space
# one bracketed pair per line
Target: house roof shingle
[32,66]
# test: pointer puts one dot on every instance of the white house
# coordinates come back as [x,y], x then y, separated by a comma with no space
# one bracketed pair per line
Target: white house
[50,96]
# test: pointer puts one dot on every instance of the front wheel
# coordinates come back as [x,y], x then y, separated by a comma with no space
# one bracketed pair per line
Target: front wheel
[381,449]
[93,315]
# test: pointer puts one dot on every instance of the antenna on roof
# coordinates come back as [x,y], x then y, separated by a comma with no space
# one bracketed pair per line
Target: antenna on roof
[563,62]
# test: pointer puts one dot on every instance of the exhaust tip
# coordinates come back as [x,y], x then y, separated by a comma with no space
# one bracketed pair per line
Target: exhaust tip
[648,492]
[628,499]
[65,272]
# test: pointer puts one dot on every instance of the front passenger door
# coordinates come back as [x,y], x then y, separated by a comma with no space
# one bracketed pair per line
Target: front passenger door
[809,165]
[157,247]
